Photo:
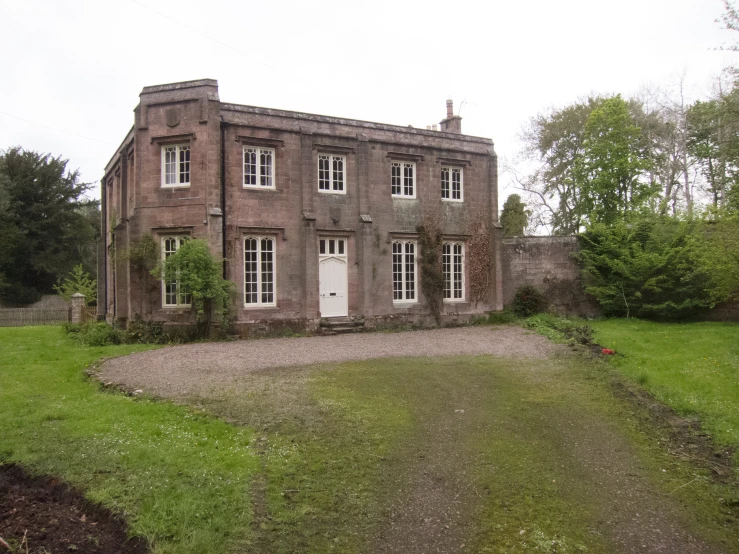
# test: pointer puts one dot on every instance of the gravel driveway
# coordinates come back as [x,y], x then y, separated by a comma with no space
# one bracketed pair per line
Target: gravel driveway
[195,368]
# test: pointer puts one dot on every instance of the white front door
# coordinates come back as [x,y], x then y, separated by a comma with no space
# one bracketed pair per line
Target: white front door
[332,277]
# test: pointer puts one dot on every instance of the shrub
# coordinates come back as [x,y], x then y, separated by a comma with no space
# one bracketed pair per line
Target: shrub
[501,318]
[200,273]
[140,331]
[100,334]
[529,301]
[78,282]
[181,335]
[560,329]
[649,267]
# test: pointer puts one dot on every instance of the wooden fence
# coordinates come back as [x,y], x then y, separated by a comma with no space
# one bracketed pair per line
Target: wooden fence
[19,317]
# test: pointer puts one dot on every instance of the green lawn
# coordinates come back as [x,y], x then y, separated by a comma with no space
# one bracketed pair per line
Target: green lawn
[182,479]
[533,455]
[692,367]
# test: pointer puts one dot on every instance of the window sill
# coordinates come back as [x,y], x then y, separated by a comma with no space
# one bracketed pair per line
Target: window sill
[338,192]
[257,187]
[271,307]
[452,201]
[397,197]
[182,186]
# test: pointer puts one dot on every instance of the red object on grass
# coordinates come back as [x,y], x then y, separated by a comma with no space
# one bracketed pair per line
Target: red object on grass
[607,352]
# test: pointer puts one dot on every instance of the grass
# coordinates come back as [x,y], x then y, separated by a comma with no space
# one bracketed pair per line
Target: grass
[316,459]
[341,441]
[691,367]
[182,479]
[337,457]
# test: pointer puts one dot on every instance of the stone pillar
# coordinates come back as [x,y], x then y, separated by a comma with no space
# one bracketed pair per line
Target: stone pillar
[78,308]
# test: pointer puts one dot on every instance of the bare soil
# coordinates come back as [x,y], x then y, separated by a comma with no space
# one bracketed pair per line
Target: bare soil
[41,515]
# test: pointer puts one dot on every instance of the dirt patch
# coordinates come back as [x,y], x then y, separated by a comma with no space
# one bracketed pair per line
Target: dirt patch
[433,504]
[42,515]
[684,437]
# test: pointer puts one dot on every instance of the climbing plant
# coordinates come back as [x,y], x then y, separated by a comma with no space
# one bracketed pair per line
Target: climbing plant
[143,255]
[432,276]
[479,259]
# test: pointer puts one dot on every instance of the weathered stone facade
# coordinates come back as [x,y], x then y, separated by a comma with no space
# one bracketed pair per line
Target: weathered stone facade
[292,213]
[548,264]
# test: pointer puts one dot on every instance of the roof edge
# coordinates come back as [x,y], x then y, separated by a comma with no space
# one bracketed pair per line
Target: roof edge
[352,122]
[180,85]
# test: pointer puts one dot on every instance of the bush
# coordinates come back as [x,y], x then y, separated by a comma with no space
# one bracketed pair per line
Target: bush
[200,273]
[529,301]
[145,332]
[100,334]
[652,267]
[139,332]
[78,282]
[501,318]
[559,329]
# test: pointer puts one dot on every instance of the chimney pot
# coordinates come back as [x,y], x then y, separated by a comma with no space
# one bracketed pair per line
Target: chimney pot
[449,108]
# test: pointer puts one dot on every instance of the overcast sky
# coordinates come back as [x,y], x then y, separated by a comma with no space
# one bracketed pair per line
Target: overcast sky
[71,71]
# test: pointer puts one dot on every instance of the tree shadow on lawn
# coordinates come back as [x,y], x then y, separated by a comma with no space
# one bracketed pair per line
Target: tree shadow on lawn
[472,454]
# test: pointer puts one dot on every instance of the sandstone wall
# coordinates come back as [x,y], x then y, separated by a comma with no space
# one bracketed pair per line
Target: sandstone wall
[547,264]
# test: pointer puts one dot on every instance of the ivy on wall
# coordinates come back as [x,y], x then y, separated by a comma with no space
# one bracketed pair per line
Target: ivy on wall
[479,257]
[432,276]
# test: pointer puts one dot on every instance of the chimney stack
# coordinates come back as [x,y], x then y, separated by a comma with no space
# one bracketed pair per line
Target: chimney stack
[452,123]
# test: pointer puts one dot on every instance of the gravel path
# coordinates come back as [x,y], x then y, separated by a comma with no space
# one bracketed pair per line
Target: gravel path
[196,368]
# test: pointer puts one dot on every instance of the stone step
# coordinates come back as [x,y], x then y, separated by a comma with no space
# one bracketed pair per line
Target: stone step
[348,329]
[339,325]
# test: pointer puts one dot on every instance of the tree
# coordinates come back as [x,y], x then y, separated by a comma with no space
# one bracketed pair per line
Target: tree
[515,216]
[78,282]
[718,248]
[730,19]
[609,173]
[200,273]
[648,267]
[554,141]
[713,142]
[46,227]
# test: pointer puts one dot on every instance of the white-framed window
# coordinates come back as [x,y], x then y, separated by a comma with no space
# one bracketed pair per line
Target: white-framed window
[174,294]
[331,173]
[259,167]
[452,263]
[451,184]
[259,271]
[405,273]
[176,165]
[403,179]
[332,247]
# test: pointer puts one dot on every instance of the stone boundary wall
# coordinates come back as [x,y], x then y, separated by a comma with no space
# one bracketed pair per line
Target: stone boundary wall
[547,264]
[729,311]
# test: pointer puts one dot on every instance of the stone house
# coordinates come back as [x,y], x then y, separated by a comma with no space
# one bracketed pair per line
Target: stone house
[315,216]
